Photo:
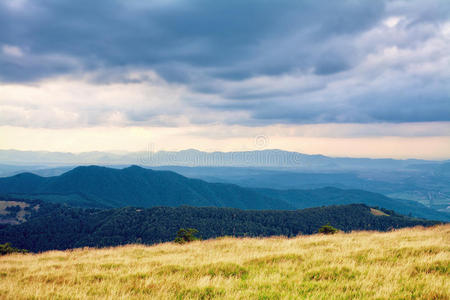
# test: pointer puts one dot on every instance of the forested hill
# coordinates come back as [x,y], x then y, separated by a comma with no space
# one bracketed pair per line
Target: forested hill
[101,187]
[55,226]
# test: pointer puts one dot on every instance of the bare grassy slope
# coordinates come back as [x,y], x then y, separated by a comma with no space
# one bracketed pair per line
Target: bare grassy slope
[403,264]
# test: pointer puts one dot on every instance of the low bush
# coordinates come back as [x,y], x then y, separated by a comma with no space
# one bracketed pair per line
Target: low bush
[328,229]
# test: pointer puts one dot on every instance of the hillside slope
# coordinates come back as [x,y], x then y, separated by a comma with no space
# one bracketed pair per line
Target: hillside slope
[335,196]
[402,264]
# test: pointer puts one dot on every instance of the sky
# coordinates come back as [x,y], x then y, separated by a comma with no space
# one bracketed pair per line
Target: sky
[340,78]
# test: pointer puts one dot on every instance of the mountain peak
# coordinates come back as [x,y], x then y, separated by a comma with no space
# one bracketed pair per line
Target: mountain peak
[26,175]
[89,167]
[135,168]
[92,169]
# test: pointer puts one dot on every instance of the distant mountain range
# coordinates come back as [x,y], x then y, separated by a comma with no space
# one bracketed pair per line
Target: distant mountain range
[428,184]
[102,187]
[191,157]
[424,181]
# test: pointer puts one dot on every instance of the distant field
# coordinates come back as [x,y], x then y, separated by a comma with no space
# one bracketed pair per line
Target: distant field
[436,200]
[19,216]
[404,264]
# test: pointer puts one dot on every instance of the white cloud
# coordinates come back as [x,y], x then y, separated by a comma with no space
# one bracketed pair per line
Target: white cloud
[445,29]
[16,4]
[67,101]
[12,51]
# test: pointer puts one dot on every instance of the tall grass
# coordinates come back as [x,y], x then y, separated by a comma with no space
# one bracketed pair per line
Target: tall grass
[404,264]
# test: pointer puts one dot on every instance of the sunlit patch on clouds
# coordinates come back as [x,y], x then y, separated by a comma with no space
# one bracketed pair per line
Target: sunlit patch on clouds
[138,98]
[392,21]
[298,70]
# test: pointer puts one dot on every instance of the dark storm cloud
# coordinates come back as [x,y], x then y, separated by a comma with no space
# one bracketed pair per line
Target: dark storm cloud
[222,48]
[163,34]
[378,108]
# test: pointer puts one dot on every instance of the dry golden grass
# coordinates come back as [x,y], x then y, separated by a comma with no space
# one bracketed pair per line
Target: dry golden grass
[403,264]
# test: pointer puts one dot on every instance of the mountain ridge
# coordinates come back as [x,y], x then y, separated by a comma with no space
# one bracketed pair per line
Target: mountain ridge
[102,187]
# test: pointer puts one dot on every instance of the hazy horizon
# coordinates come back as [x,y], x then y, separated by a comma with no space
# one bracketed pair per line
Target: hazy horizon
[127,152]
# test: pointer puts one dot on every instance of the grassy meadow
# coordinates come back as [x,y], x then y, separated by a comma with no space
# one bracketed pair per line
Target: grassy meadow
[410,263]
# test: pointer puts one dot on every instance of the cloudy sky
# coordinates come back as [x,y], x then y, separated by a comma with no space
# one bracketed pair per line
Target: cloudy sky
[341,78]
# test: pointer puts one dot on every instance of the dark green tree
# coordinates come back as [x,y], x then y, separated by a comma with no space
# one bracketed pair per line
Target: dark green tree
[328,229]
[186,235]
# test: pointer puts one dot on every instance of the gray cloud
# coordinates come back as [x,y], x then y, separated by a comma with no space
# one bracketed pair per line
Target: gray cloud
[198,33]
[266,61]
